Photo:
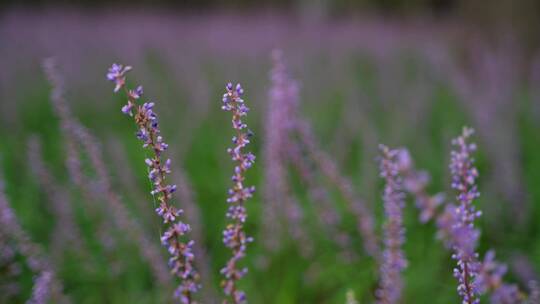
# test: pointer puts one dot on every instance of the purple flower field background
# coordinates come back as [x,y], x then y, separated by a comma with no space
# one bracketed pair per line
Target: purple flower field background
[372,160]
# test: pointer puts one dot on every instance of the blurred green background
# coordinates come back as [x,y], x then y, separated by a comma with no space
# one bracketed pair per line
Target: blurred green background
[401,73]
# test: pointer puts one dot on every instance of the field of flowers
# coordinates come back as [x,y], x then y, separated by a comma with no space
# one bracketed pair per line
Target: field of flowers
[293,161]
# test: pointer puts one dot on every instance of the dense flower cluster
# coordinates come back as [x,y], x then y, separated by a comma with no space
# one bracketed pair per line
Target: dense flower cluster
[234,236]
[393,258]
[462,232]
[182,257]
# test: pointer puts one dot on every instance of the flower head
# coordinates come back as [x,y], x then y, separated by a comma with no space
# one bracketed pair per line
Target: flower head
[116,74]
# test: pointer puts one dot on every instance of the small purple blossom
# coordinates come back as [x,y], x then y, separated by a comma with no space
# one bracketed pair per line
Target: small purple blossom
[393,258]
[137,93]
[234,236]
[116,74]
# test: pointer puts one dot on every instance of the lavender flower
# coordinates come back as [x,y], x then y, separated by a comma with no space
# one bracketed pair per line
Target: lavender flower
[234,236]
[490,272]
[181,252]
[282,103]
[116,74]
[41,290]
[393,258]
[464,235]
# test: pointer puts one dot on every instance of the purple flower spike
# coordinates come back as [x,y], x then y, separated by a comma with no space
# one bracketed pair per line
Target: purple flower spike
[181,259]
[393,258]
[490,272]
[234,236]
[463,236]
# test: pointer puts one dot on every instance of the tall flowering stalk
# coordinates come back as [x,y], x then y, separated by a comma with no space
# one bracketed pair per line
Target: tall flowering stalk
[393,258]
[181,252]
[234,236]
[490,272]
[464,235]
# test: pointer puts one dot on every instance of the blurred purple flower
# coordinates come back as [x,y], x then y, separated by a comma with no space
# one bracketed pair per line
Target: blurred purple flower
[278,199]
[393,258]
[462,232]
[415,183]
[41,290]
[506,294]
[490,272]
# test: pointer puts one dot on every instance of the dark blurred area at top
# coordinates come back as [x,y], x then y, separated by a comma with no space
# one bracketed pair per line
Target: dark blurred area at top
[518,18]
